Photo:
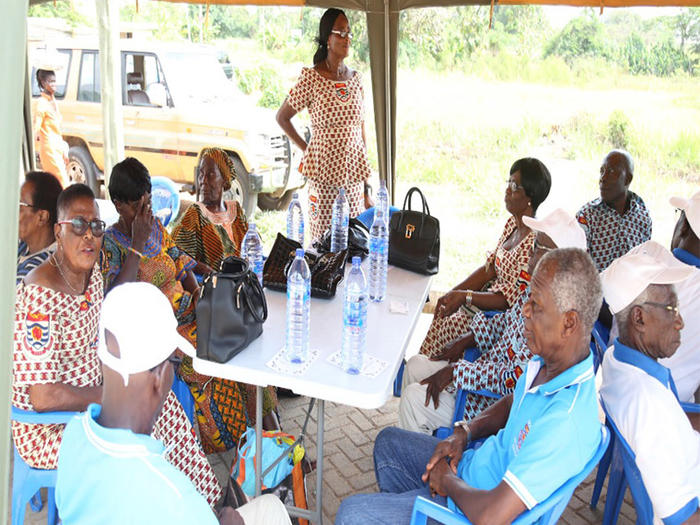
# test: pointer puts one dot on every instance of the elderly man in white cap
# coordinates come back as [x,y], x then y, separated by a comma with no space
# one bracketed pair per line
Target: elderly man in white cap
[639,393]
[110,469]
[504,352]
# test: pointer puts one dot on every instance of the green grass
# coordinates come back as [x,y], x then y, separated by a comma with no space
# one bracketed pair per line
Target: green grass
[458,133]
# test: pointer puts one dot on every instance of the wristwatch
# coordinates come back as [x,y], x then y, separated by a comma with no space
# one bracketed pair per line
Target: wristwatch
[465,425]
[468,298]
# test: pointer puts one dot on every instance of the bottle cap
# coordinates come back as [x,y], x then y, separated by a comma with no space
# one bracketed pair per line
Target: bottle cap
[251,226]
[356,261]
[341,191]
[295,195]
[299,252]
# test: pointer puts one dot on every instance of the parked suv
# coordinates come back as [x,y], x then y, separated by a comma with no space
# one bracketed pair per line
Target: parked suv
[176,101]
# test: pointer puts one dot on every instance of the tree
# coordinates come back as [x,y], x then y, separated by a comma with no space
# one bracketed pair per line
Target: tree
[584,36]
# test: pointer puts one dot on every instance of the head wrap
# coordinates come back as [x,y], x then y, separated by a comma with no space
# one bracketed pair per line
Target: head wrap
[223,162]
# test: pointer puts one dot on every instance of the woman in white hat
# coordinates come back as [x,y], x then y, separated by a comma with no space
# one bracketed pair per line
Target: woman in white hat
[53,150]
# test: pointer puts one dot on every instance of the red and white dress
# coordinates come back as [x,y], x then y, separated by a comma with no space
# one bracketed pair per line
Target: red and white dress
[55,341]
[511,280]
[336,156]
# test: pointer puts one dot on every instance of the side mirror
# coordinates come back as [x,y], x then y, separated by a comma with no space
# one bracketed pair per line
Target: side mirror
[157,94]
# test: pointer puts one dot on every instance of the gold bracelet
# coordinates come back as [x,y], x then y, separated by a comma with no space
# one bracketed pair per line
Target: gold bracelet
[134,250]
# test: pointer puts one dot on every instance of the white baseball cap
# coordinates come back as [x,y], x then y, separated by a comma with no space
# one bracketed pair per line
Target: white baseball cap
[561,227]
[142,321]
[629,276]
[691,207]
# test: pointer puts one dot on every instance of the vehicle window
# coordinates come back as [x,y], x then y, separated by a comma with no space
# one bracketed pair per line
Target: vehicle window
[89,83]
[145,82]
[64,59]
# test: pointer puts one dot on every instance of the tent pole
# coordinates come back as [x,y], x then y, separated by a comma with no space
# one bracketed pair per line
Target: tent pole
[389,174]
[110,69]
[13,64]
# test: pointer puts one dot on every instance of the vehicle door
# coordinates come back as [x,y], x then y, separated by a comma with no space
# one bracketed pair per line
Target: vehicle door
[150,128]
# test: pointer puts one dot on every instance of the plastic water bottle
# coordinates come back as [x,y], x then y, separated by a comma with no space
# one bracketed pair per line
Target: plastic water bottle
[382,201]
[295,220]
[354,319]
[340,223]
[298,309]
[252,251]
[378,257]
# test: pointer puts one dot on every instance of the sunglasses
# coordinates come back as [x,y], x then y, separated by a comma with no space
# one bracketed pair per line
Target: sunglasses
[175,361]
[513,186]
[80,226]
[342,34]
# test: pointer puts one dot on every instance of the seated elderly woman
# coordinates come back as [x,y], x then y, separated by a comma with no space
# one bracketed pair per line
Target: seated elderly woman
[55,363]
[37,217]
[211,230]
[138,248]
[505,269]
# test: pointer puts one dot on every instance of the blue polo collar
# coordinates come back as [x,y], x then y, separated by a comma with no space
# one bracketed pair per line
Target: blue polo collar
[579,373]
[119,442]
[625,354]
[686,257]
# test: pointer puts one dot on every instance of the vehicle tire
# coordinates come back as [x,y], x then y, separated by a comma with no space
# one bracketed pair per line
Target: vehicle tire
[240,189]
[81,168]
[269,203]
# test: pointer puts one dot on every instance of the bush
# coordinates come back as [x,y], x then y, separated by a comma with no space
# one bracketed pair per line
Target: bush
[264,80]
[619,130]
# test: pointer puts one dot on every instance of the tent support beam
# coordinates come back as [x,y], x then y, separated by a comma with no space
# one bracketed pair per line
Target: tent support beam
[388,174]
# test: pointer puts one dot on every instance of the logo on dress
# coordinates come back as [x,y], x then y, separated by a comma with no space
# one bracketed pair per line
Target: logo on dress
[37,337]
[313,206]
[523,434]
[342,91]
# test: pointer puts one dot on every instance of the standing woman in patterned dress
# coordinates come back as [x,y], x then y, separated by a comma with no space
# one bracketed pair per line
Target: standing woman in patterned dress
[336,155]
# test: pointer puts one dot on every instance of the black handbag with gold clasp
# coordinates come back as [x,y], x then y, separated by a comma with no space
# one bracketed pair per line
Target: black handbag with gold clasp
[230,311]
[414,237]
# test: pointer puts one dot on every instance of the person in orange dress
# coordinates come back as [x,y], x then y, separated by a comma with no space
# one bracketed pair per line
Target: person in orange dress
[53,150]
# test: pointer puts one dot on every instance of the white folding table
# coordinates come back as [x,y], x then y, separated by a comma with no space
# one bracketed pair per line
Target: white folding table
[388,334]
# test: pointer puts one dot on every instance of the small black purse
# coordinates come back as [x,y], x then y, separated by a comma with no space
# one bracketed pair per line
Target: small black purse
[414,238]
[230,311]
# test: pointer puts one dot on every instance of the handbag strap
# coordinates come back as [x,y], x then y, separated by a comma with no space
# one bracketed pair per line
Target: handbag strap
[252,280]
[408,200]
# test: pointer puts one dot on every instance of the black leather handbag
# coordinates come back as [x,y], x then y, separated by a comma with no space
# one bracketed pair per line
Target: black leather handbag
[414,237]
[358,240]
[230,311]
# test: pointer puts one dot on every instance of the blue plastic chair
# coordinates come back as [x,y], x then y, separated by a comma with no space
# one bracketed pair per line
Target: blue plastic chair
[545,513]
[184,396]
[165,199]
[27,481]
[624,473]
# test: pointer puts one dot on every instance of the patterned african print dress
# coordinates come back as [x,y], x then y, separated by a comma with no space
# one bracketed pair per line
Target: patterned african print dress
[511,280]
[26,261]
[218,402]
[56,342]
[209,238]
[336,156]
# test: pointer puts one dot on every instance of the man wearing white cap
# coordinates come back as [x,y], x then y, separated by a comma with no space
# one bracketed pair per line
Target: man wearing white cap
[685,243]
[618,220]
[110,469]
[504,352]
[639,393]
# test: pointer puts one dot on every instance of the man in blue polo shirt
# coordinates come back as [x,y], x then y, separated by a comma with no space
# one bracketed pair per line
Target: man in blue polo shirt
[110,469]
[540,436]
[639,393]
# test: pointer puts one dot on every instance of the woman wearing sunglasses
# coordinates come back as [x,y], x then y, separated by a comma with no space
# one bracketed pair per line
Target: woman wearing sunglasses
[336,155]
[55,361]
[37,217]
[497,284]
